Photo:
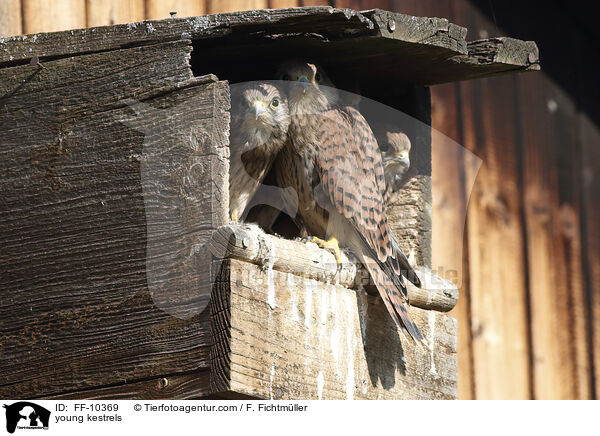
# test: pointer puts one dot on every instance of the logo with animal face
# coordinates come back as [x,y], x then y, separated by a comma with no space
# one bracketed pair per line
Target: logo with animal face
[26,415]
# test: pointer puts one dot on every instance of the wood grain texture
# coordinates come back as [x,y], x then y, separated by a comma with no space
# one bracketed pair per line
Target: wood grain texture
[558,314]
[216,6]
[109,12]
[496,247]
[109,176]
[11,22]
[497,262]
[281,336]
[159,9]
[213,26]
[419,50]
[53,15]
[450,166]
[176,387]
[590,138]
[249,243]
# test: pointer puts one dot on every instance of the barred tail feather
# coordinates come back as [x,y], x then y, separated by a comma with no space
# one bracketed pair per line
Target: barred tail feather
[400,264]
[392,298]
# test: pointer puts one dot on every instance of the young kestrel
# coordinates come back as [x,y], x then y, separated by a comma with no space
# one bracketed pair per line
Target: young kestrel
[259,125]
[333,161]
[395,148]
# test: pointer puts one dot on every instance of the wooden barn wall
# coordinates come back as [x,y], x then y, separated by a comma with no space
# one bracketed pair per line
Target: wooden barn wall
[528,253]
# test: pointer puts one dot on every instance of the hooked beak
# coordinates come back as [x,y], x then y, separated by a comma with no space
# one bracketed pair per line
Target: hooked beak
[259,108]
[304,83]
[403,158]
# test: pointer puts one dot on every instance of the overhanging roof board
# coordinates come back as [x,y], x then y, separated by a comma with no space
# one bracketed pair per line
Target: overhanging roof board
[416,50]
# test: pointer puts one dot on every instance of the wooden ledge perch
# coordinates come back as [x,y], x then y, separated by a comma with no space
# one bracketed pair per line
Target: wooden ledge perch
[250,243]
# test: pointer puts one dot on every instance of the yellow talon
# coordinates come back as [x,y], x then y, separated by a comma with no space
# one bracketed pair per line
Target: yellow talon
[234,216]
[331,244]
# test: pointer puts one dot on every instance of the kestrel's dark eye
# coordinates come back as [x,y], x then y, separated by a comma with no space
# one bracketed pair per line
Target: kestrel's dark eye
[318,77]
[275,102]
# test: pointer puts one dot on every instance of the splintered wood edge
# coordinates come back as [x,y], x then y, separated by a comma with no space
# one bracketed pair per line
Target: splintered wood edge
[250,243]
[504,52]
[421,30]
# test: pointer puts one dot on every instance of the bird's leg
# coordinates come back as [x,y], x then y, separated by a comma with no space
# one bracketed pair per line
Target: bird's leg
[332,244]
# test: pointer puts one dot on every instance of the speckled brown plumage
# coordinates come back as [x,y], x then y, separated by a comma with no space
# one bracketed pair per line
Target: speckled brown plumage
[333,161]
[395,147]
[259,124]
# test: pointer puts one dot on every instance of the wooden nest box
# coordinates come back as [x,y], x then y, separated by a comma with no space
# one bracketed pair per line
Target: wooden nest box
[120,274]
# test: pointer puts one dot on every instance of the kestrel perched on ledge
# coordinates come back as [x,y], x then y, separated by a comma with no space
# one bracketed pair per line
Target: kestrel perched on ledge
[333,162]
[259,125]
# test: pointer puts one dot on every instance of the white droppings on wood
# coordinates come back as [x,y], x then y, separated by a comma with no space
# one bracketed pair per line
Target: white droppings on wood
[431,319]
[320,385]
[150,28]
[324,305]
[309,286]
[334,343]
[271,378]
[270,254]
[270,288]
[290,283]
[350,346]
[333,297]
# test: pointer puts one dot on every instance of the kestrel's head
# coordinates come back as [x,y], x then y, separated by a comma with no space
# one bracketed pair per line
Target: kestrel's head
[311,88]
[395,148]
[261,113]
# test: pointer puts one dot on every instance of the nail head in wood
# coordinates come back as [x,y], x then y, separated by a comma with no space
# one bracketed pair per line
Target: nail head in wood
[391,25]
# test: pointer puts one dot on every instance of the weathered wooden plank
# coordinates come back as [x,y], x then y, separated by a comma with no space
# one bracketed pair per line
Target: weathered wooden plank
[159,9]
[558,315]
[114,170]
[281,336]
[249,243]
[504,50]
[10,18]
[109,12]
[495,235]
[590,138]
[498,295]
[173,387]
[52,15]
[320,19]
[438,32]
[451,166]
[419,50]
